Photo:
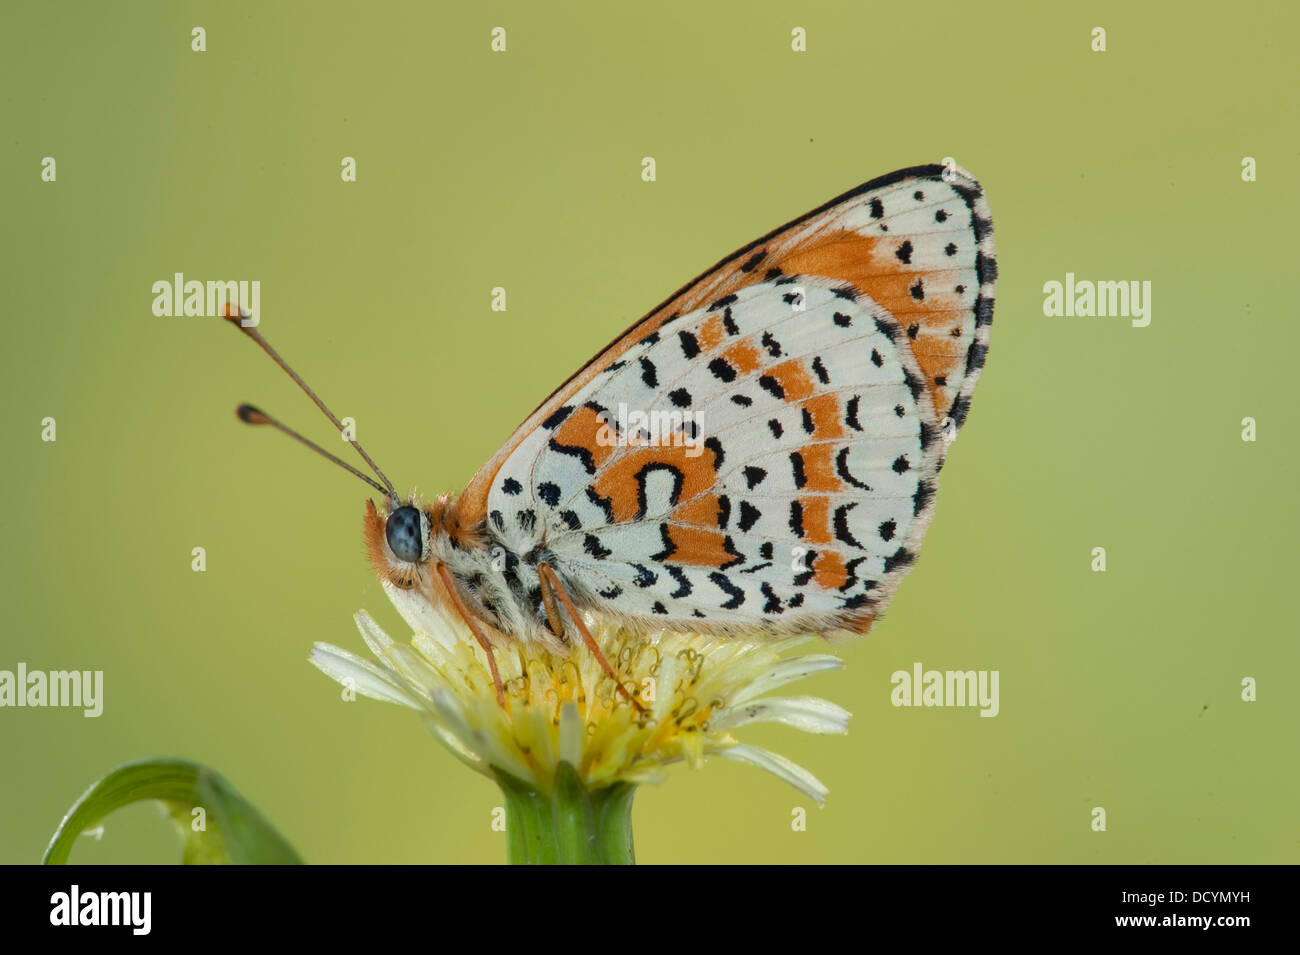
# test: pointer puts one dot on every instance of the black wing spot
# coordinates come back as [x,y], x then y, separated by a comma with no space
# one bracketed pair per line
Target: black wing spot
[877,209]
[729,546]
[511,486]
[900,558]
[753,261]
[771,344]
[749,515]
[714,445]
[912,330]
[722,370]
[796,518]
[680,397]
[808,425]
[950,248]
[736,594]
[842,320]
[604,503]
[743,400]
[887,529]
[847,292]
[498,520]
[729,323]
[683,584]
[922,498]
[766,550]
[657,607]
[773,604]
[644,576]
[669,547]
[775,427]
[772,386]
[888,329]
[557,417]
[875,360]
[722,302]
[901,464]
[643,475]
[773,273]
[649,374]
[904,252]
[842,531]
[612,593]
[571,520]
[913,384]
[941,216]
[960,408]
[851,571]
[820,371]
[918,291]
[690,344]
[796,465]
[591,544]
[842,469]
[549,493]
[851,415]
[754,476]
[724,511]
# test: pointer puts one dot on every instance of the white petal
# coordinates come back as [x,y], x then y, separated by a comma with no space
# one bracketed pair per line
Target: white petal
[450,740]
[808,713]
[361,675]
[479,741]
[421,616]
[787,671]
[778,765]
[372,633]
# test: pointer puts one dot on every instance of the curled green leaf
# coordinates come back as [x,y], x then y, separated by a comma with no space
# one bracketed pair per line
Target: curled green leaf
[217,825]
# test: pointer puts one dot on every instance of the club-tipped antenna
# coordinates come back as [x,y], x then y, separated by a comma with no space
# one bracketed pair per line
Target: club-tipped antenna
[236,318]
[250,415]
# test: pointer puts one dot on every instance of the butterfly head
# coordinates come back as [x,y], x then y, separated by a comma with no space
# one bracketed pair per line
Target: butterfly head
[397,539]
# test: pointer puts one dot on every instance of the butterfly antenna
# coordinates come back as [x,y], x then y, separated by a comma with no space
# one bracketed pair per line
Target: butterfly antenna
[236,318]
[250,415]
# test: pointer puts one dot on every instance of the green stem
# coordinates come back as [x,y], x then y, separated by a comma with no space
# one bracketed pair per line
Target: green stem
[570,825]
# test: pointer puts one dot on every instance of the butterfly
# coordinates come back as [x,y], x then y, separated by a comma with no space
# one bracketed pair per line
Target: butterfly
[758,455]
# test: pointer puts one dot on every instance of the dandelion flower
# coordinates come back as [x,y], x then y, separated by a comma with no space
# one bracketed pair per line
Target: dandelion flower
[569,748]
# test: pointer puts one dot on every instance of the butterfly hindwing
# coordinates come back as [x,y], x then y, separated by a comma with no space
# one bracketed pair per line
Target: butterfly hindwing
[761,452]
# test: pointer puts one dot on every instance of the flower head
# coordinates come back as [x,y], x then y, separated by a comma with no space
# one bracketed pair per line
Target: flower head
[695,690]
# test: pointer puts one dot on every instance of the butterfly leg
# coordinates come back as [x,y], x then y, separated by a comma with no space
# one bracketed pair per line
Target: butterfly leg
[549,580]
[445,576]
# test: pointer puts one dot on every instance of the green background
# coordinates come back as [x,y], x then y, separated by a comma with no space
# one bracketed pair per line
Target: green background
[522,169]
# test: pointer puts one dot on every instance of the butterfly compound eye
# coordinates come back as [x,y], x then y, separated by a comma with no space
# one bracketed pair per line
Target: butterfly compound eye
[403,533]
